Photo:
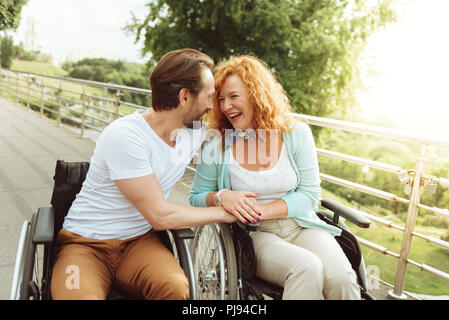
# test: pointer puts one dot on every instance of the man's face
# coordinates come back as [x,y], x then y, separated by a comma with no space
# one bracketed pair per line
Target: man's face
[202,103]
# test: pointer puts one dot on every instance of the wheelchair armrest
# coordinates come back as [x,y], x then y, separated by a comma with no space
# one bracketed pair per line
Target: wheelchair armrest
[183,233]
[249,226]
[350,214]
[44,232]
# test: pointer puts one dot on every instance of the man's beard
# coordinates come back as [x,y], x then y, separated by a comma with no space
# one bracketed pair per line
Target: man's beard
[195,123]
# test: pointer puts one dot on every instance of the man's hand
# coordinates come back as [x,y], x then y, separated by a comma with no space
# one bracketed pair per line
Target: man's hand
[242,204]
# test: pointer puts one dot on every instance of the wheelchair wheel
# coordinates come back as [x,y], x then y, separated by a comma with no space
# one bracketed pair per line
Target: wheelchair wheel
[214,262]
[17,278]
[26,277]
[181,250]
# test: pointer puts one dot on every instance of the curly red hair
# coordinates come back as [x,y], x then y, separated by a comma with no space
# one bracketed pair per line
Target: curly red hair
[272,109]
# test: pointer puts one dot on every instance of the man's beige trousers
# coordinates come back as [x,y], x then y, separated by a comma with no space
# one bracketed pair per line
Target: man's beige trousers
[85,268]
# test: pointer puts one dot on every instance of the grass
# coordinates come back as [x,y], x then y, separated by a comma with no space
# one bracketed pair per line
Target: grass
[38,67]
[421,252]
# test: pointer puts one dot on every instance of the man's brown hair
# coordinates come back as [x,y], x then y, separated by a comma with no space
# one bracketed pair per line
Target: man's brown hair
[177,69]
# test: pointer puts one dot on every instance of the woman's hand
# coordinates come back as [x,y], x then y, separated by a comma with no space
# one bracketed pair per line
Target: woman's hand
[242,204]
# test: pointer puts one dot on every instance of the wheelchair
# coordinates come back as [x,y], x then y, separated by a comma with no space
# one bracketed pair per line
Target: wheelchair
[33,268]
[225,261]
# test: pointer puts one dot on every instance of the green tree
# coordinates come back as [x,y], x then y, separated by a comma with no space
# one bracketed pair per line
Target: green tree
[313,45]
[98,75]
[112,71]
[10,13]
[82,72]
[7,52]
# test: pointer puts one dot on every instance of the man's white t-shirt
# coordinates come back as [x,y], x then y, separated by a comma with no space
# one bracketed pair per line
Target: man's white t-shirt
[127,148]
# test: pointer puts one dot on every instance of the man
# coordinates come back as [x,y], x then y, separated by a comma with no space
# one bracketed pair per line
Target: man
[109,232]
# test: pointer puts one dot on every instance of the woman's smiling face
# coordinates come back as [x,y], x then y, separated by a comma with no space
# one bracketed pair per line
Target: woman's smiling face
[235,103]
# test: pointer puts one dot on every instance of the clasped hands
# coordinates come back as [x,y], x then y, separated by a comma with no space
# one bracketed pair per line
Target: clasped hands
[242,205]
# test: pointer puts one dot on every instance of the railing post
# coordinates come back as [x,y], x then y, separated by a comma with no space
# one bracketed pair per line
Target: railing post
[28,92]
[60,103]
[17,87]
[83,117]
[8,84]
[117,104]
[397,292]
[42,99]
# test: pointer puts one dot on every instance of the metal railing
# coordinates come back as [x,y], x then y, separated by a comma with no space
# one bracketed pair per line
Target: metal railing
[86,104]
[93,105]
[415,179]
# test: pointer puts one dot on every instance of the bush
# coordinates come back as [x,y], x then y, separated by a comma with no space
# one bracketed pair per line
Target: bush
[28,56]
[434,221]
[6,52]
[112,71]
[82,72]
[445,237]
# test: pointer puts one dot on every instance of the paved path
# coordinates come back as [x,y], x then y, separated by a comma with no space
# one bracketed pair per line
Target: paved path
[29,147]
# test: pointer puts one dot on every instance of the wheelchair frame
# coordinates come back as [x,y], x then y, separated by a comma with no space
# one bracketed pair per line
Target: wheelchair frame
[43,228]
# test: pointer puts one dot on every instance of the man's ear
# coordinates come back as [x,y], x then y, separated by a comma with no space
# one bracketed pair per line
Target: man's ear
[183,96]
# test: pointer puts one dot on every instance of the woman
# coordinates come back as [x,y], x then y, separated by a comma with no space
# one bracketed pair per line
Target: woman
[264,167]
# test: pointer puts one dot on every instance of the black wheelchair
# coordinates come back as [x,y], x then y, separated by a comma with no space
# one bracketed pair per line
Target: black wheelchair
[33,268]
[225,261]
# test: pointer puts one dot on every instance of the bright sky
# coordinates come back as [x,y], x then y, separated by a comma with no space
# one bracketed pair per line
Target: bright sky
[411,60]
[85,26]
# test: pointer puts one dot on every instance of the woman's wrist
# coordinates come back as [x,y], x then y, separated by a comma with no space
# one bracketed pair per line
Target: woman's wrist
[217,198]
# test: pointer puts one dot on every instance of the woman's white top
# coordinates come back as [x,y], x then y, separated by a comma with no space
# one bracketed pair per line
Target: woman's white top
[270,185]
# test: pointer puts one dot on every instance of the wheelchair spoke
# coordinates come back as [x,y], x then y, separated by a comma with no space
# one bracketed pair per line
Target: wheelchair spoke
[208,263]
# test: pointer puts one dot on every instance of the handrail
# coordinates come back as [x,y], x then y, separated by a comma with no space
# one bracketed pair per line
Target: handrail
[376,131]
[360,161]
[50,95]
[90,83]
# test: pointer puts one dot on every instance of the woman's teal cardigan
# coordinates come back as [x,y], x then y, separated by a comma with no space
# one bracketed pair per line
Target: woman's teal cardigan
[302,201]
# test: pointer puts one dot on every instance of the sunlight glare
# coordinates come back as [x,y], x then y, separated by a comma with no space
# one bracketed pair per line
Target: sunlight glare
[406,68]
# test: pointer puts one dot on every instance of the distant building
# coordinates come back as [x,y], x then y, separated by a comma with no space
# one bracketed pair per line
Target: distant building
[31,36]
[75,56]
